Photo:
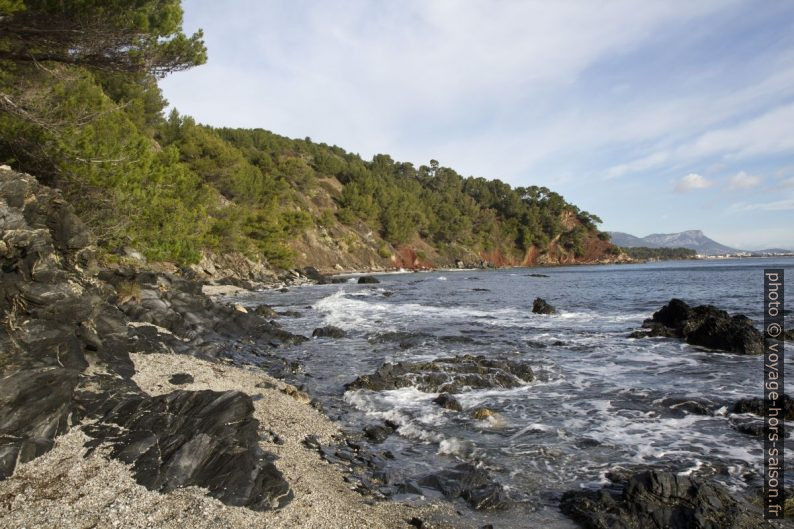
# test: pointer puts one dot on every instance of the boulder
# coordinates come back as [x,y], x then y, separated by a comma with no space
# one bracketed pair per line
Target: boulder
[539,306]
[447,375]
[368,280]
[447,401]
[661,500]
[706,326]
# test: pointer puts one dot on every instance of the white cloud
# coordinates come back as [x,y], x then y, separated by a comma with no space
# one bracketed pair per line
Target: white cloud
[742,180]
[691,182]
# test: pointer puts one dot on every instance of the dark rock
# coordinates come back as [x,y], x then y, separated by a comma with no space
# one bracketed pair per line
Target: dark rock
[447,401]
[60,319]
[37,405]
[447,375]
[706,326]
[290,313]
[368,280]
[661,500]
[756,407]
[539,306]
[480,290]
[179,379]
[266,311]
[377,433]
[329,331]
[789,336]
[471,483]
[203,438]
[314,274]
[405,339]
[537,275]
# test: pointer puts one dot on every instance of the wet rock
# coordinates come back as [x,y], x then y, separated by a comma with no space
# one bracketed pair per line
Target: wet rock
[706,326]
[203,438]
[661,500]
[447,375]
[789,336]
[377,433]
[471,483]
[537,275]
[688,406]
[539,306]
[447,401]
[653,331]
[482,413]
[290,313]
[179,379]
[329,331]
[756,407]
[368,280]
[265,311]
[405,339]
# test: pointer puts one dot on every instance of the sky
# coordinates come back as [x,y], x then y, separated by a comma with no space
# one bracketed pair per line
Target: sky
[658,116]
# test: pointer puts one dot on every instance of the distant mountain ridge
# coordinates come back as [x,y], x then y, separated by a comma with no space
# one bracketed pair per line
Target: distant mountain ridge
[692,239]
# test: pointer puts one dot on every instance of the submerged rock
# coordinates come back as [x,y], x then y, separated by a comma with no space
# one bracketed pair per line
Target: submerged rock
[539,306]
[447,375]
[661,500]
[368,280]
[329,331]
[706,326]
[471,483]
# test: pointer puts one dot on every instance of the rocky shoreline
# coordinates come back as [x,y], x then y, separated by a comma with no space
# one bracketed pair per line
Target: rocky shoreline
[137,398]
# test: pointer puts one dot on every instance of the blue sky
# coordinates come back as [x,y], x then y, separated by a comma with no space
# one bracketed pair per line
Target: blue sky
[659,116]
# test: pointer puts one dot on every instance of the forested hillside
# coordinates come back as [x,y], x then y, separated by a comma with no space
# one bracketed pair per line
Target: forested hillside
[81,110]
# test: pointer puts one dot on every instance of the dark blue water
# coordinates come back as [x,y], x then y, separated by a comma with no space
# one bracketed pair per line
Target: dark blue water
[599,401]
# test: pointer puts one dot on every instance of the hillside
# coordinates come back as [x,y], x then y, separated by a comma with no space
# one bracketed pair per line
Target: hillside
[691,239]
[93,125]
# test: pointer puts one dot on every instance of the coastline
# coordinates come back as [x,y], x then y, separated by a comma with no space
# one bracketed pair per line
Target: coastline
[68,488]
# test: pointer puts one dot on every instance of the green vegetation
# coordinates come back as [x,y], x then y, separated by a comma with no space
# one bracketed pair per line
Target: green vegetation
[82,111]
[663,254]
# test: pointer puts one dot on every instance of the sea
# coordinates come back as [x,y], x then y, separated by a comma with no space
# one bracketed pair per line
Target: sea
[601,402]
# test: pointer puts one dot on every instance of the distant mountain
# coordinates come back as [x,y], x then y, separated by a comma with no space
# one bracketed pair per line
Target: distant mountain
[692,239]
[629,241]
